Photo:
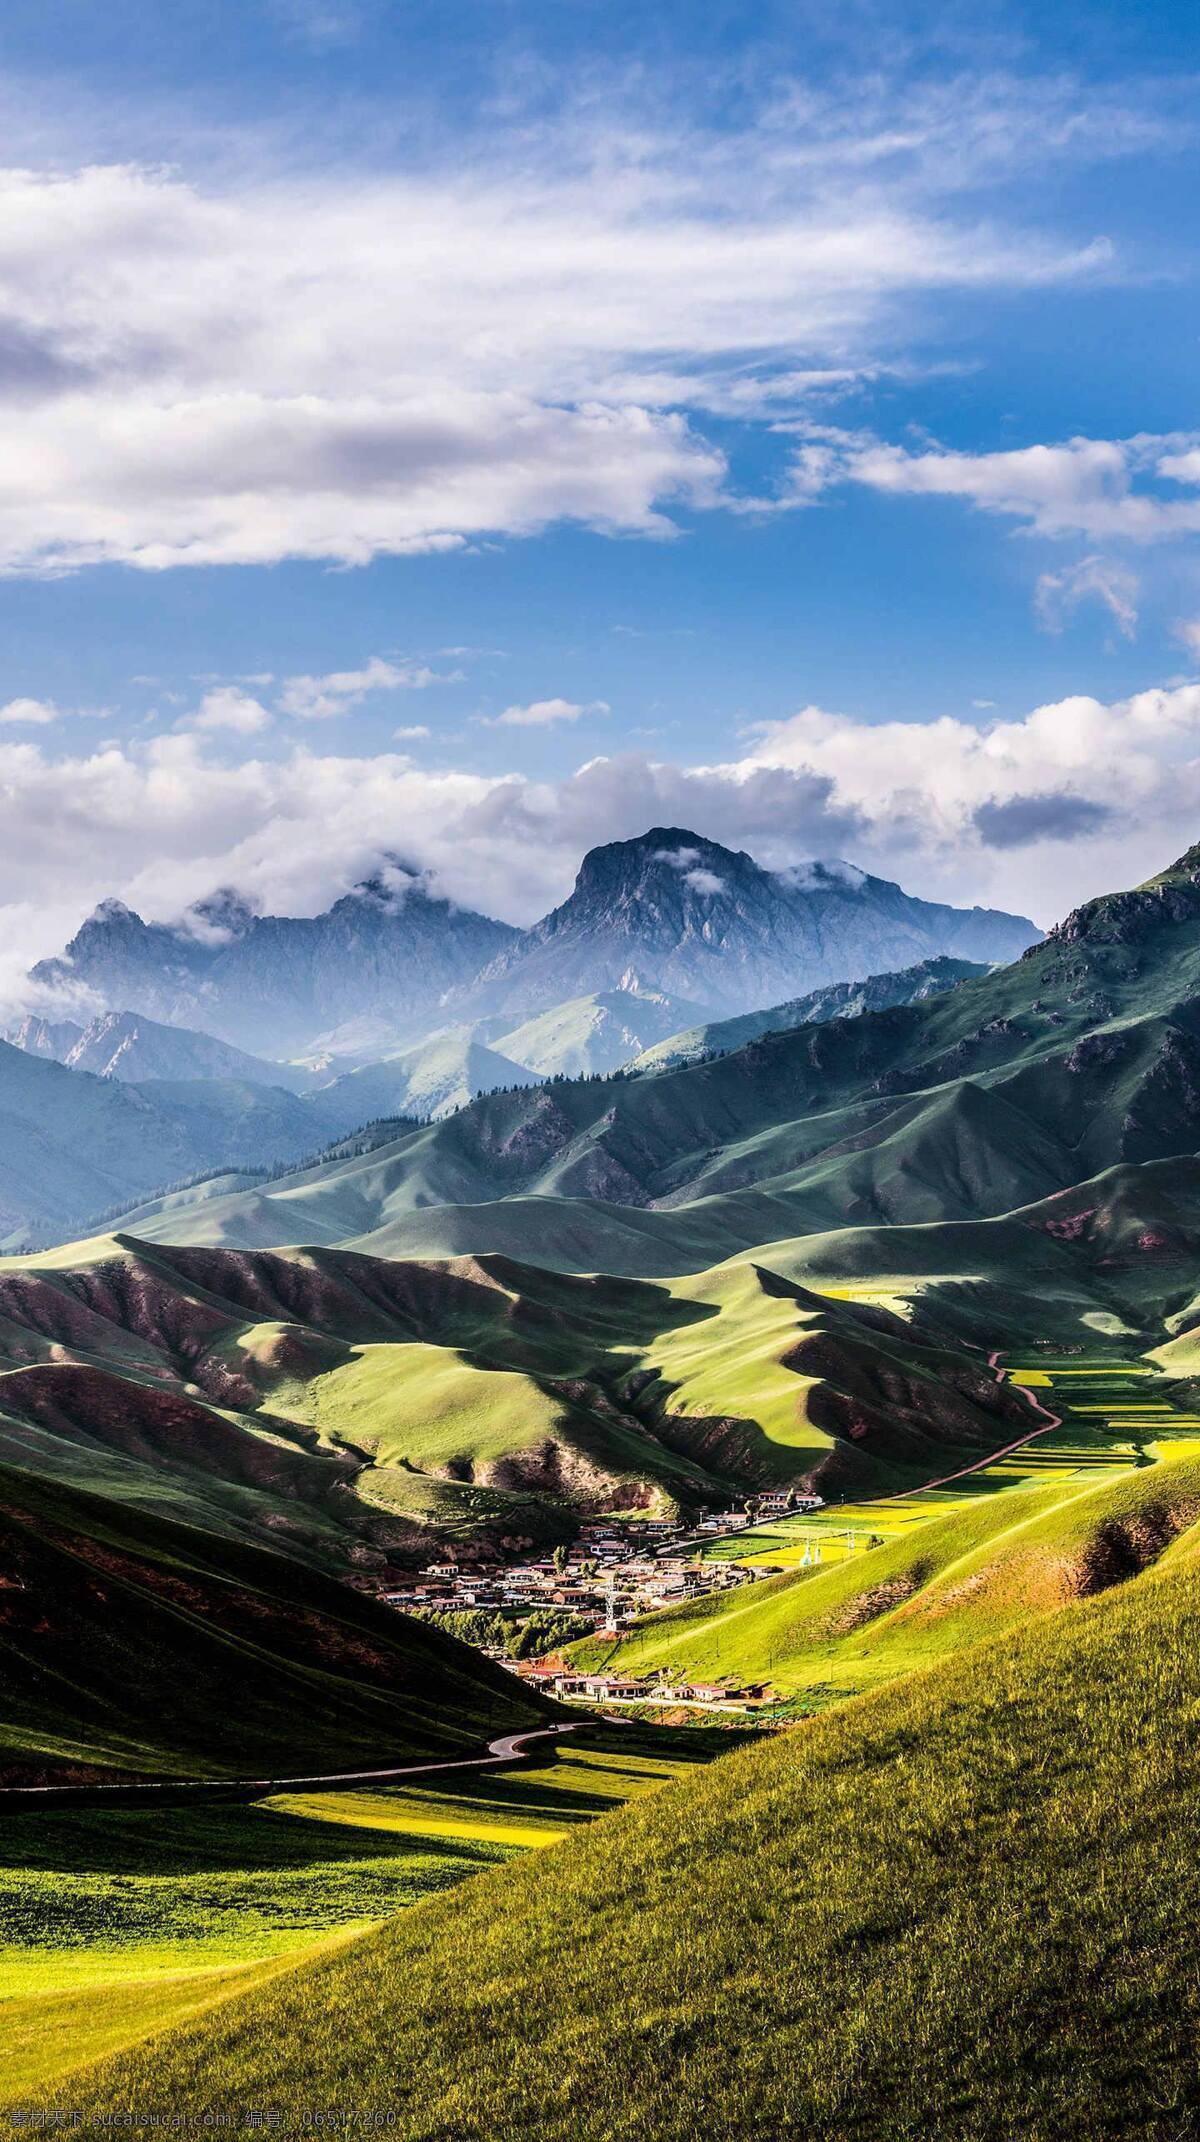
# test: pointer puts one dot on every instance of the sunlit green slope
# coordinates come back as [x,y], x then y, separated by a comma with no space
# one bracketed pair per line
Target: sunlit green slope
[961,1907]
[939,1587]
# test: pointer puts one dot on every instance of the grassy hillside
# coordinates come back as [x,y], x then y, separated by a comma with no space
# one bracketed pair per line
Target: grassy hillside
[130,1645]
[934,1590]
[964,1906]
[115,1922]
[344,1406]
[347,1405]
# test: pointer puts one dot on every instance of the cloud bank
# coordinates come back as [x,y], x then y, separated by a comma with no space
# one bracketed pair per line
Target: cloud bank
[1126,490]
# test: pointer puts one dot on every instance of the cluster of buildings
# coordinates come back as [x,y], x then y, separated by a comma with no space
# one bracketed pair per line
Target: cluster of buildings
[616,1687]
[616,1570]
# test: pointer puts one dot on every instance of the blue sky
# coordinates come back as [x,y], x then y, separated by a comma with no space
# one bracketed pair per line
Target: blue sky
[469,432]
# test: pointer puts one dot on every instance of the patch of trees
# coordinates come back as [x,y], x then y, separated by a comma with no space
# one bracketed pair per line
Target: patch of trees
[544,1630]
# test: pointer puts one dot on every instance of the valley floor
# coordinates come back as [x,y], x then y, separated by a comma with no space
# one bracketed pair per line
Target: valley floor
[1111,1414]
[117,1923]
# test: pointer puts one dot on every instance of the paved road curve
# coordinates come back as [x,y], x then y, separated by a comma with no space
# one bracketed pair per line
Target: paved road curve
[508,1749]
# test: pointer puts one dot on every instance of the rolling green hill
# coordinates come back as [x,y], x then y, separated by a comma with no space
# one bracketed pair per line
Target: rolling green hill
[346,1407]
[130,1645]
[960,1907]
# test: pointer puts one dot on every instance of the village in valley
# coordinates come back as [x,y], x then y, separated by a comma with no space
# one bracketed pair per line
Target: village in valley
[618,1569]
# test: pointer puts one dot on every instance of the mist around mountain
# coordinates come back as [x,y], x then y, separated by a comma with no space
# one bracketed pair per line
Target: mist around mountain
[390,964]
[271,983]
[433,1078]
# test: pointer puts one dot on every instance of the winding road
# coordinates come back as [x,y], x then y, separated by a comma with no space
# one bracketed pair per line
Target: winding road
[509,1748]
[1050,1420]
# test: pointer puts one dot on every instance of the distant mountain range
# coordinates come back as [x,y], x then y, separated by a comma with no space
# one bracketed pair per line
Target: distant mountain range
[188,1105]
[396,1004]
[277,984]
[1001,1092]
[129,1046]
[668,915]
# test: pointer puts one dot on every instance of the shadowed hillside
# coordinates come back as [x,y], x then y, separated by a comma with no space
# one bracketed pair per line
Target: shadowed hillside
[129,1645]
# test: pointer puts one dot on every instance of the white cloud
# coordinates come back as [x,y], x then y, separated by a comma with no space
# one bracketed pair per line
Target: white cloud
[228,708]
[326,698]
[1092,579]
[818,874]
[1187,632]
[347,364]
[1111,790]
[33,713]
[414,734]
[1099,488]
[705,882]
[544,713]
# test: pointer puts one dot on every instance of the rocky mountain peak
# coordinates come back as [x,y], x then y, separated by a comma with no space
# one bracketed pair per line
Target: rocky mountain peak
[113,918]
[668,862]
[221,916]
[1127,917]
[692,918]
